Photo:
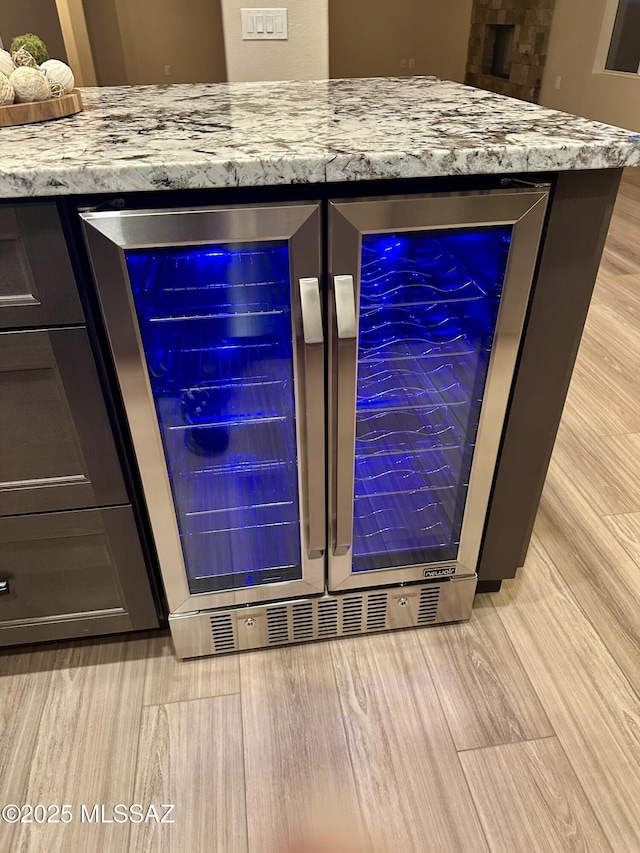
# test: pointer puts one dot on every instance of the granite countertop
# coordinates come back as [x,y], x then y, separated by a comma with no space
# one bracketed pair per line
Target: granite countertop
[255,134]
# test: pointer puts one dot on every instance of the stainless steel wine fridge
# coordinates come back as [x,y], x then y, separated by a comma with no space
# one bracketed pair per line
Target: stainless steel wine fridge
[316,411]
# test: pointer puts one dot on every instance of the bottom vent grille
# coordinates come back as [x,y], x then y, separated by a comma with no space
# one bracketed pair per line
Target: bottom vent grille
[352,615]
[303,621]
[278,625]
[377,611]
[222,633]
[428,607]
[328,618]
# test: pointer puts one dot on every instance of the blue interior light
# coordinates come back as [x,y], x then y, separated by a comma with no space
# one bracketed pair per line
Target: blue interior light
[216,330]
[428,309]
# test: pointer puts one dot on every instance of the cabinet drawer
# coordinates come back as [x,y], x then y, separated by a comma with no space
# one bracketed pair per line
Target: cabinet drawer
[56,445]
[37,285]
[72,573]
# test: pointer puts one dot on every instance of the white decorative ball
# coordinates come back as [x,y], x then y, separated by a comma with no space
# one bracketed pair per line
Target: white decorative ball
[59,72]
[30,85]
[7,95]
[7,65]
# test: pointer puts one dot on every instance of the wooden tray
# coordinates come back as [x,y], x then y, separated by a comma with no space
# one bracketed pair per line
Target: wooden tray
[67,105]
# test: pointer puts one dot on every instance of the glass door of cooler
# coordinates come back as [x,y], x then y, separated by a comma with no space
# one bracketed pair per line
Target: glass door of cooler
[214,319]
[427,302]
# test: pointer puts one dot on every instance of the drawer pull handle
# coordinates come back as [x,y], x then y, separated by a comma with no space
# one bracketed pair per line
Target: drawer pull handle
[4,588]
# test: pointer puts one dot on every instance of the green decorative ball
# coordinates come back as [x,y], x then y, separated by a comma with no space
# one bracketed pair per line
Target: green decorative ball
[36,47]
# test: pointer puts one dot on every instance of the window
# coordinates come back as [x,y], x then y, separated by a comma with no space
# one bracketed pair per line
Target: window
[624,49]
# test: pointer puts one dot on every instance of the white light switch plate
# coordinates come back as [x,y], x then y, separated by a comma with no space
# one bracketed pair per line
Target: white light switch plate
[264,24]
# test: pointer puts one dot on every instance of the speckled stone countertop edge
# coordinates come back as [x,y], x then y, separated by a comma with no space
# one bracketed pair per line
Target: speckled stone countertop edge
[132,139]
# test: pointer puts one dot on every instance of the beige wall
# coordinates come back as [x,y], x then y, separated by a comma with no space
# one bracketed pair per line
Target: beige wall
[573,51]
[369,38]
[304,56]
[106,42]
[133,40]
[186,34]
[32,16]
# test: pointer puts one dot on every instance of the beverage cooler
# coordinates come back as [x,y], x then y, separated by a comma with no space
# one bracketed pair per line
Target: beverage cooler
[316,409]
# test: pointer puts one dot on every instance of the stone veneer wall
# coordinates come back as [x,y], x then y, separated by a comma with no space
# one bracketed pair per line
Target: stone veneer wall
[532,20]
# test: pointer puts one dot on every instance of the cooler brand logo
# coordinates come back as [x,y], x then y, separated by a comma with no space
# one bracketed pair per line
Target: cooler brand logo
[442,572]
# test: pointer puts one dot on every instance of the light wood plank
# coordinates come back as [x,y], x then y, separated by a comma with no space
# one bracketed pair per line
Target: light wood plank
[611,337]
[607,480]
[620,293]
[574,417]
[529,798]
[607,406]
[621,256]
[190,756]
[608,362]
[600,572]
[622,452]
[86,744]
[25,675]
[631,181]
[485,693]
[622,596]
[625,529]
[412,789]
[297,767]
[168,679]
[592,707]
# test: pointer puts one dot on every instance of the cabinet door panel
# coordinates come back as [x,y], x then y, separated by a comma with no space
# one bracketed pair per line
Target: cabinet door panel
[37,285]
[72,573]
[56,450]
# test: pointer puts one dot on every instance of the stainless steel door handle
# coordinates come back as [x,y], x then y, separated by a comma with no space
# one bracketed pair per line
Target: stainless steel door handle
[311,311]
[4,588]
[313,337]
[345,306]
[347,328]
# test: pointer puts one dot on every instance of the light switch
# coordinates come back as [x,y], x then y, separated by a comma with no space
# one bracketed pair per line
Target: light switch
[264,24]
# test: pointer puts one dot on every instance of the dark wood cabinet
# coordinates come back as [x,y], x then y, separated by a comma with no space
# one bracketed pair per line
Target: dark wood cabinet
[57,449]
[37,285]
[70,574]
[71,559]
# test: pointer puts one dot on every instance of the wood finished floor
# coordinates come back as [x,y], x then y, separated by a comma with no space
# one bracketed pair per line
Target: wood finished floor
[516,731]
